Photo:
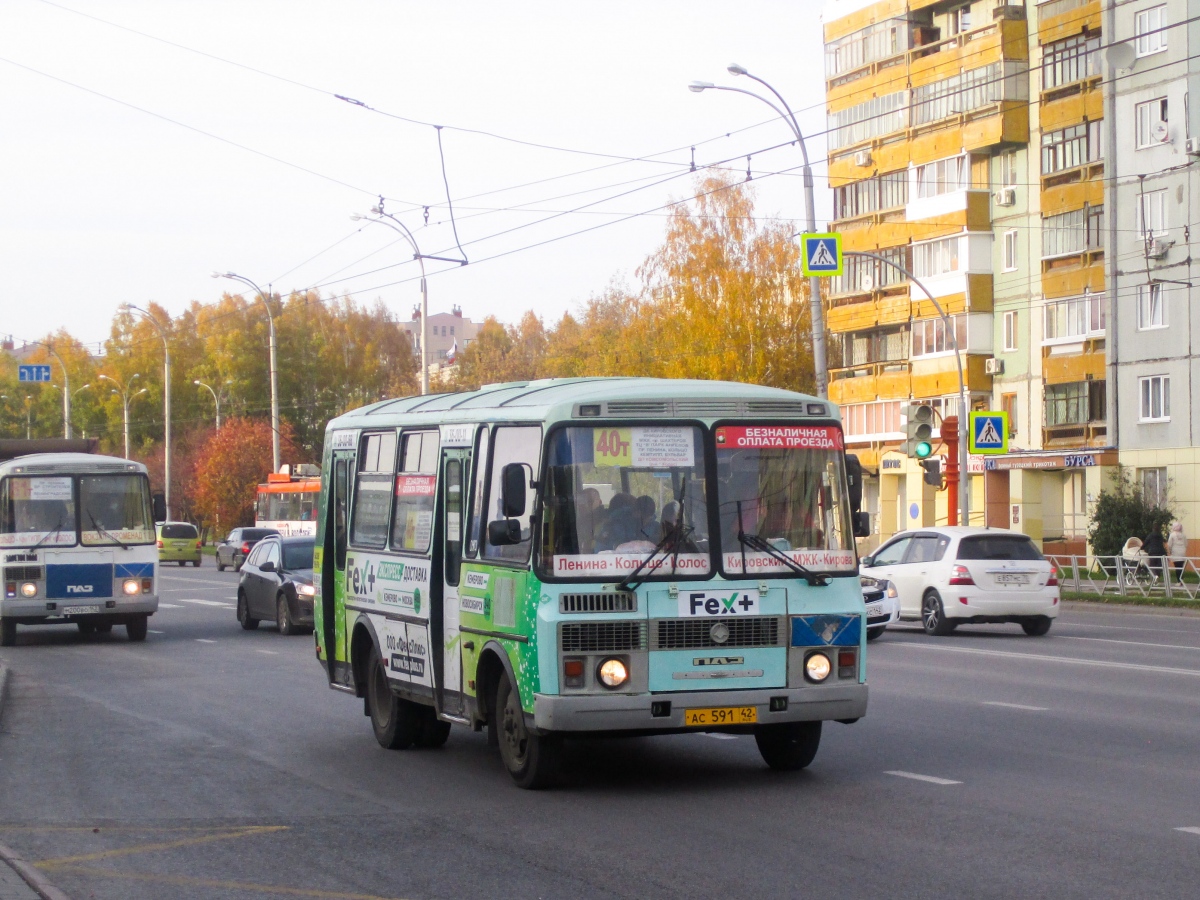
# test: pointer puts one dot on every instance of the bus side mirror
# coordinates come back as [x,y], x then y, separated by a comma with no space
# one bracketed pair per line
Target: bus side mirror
[159,504]
[854,484]
[862,528]
[504,532]
[512,491]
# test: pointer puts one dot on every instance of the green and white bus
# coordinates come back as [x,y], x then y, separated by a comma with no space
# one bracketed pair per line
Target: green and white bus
[601,556]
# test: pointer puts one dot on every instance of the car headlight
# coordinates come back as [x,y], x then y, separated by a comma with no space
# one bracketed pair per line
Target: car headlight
[306,590]
[132,586]
[612,673]
[29,589]
[891,590]
[817,667]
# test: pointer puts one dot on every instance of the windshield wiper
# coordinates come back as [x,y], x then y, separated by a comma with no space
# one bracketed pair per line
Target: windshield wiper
[50,534]
[757,542]
[675,535]
[104,531]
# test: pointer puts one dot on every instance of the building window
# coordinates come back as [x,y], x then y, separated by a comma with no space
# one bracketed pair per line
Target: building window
[1152,214]
[1150,27]
[1008,168]
[879,41]
[1074,319]
[1069,61]
[867,347]
[872,421]
[872,118]
[1074,404]
[942,177]
[1151,307]
[862,274]
[1154,485]
[1073,232]
[968,91]
[929,336]
[1010,250]
[1151,119]
[870,195]
[1071,147]
[1008,403]
[937,257]
[960,20]
[1155,394]
[1010,331]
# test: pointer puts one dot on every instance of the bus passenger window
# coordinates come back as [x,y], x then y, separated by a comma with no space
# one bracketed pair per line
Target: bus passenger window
[372,500]
[416,490]
[480,458]
[513,445]
[454,519]
[340,491]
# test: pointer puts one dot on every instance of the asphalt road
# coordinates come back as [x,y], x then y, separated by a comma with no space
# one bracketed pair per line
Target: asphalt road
[210,762]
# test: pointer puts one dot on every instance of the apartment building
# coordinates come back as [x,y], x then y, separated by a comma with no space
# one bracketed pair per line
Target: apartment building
[966,145]
[1152,357]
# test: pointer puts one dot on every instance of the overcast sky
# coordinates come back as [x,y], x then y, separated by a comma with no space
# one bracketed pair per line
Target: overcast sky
[133,168]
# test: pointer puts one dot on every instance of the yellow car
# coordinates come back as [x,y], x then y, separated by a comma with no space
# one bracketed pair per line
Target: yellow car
[178,542]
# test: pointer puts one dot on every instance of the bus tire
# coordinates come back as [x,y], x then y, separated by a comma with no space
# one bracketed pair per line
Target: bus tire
[432,732]
[395,722]
[8,632]
[243,613]
[788,746]
[86,627]
[137,628]
[531,759]
[283,616]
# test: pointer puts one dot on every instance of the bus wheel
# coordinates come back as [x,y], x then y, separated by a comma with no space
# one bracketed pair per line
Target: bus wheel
[8,632]
[432,732]
[85,627]
[531,759]
[789,745]
[243,613]
[396,722]
[137,627]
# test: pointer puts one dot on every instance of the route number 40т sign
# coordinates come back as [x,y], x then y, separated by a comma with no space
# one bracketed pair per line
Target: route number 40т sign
[646,447]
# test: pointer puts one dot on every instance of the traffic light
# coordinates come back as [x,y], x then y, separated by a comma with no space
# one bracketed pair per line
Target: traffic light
[918,430]
[933,471]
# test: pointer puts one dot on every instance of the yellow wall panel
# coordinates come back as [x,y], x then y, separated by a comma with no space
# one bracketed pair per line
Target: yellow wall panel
[1062,112]
[894,309]
[860,19]
[1066,197]
[852,317]
[979,210]
[1073,21]
[885,79]
[1072,282]
[1076,367]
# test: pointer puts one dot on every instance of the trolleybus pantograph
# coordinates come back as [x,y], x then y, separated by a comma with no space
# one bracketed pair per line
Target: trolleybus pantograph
[77,544]
[590,557]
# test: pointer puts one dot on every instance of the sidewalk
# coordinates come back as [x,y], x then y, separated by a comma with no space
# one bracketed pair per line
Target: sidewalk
[13,870]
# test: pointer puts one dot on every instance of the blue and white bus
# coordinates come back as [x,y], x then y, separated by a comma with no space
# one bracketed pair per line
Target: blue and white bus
[77,544]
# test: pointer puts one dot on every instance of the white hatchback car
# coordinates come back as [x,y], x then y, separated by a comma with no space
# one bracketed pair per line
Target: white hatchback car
[949,576]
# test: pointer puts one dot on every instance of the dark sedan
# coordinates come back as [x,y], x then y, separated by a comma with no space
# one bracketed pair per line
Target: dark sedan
[277,584]
[234,549]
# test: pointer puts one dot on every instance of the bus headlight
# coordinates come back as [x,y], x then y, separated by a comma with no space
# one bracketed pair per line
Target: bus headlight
[132,586]
[817,667]
[29,589]
[612,673]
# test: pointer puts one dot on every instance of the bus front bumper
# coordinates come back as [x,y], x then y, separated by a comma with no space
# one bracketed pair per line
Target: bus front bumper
[32,612]
[637,712]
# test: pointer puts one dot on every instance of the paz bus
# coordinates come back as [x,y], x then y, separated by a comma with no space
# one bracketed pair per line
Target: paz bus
[611,556]
[77,542]
[288,501]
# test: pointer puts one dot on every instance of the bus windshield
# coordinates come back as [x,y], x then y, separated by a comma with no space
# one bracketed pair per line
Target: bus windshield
[115,510]
[37,510]
[782,487]
[614,495]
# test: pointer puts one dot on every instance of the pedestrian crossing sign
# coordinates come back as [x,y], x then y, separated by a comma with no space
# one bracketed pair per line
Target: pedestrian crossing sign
[989,432]
[821,254]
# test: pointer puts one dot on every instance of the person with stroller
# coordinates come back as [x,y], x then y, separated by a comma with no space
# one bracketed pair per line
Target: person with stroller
[1155,550]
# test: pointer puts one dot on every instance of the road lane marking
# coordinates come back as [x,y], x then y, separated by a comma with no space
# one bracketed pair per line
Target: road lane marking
[723,737]
[1071,637]
[162,845]
[152,631]
[219,603]
[929,778]
[268,652]
[1098,663]
[165,577]
[162,605]
[242,887]
[1190,829]
[204,641]
[1015,706]
[1181,619]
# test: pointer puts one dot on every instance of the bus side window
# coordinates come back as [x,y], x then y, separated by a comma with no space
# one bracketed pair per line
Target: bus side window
[340,491]
[373,490]
[454,519]
[480,460]
[521,444]
[415,492]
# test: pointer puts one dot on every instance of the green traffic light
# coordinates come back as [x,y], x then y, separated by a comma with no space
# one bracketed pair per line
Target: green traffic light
[924,448]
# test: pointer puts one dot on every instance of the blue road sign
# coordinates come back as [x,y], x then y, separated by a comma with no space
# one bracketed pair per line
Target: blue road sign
[33,373]
[821,254]
[989,432]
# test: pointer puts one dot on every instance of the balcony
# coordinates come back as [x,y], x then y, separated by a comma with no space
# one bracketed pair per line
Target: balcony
[873,381]
[1058,19]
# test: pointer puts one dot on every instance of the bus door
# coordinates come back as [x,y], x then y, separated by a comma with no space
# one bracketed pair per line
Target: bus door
[333,576]
[456,465]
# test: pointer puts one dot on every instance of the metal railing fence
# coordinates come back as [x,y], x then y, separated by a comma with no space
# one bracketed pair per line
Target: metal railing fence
[1120,577]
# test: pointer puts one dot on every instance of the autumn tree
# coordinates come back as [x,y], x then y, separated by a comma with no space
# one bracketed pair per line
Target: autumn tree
[232,462]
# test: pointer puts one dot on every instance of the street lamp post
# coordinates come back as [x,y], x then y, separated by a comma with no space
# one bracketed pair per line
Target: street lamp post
[964,495]
[216,400]
[166,406]
[126,399]
[66,393]
[816,313]
[67,430]
[28,417]
[274,377]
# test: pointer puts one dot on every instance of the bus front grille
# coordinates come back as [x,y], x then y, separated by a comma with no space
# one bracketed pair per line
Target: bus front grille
[613,601]
[23,573]
[694,634]
[602,637]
